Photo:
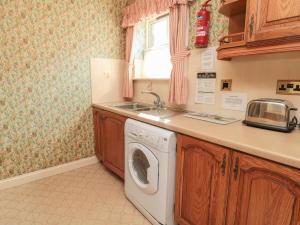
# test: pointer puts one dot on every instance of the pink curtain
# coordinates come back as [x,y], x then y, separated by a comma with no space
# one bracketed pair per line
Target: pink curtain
[129,68]
[179,21]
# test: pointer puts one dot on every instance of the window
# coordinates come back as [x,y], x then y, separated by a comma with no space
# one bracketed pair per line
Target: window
[152,50]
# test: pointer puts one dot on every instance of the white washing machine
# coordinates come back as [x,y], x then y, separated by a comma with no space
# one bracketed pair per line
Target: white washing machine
[150,154]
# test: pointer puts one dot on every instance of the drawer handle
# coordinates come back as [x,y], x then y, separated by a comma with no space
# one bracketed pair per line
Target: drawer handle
[251,25]
[133,134]
[223,165]
[236,168]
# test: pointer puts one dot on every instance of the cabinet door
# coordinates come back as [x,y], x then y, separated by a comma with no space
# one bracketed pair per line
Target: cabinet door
[112,139]
[262,193]
[273,21]
[201,182]
[97,133]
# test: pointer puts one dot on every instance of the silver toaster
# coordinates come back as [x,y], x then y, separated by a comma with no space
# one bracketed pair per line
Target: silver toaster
[272,114]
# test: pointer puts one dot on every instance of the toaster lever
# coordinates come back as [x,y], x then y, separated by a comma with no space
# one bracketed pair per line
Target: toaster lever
[294,121]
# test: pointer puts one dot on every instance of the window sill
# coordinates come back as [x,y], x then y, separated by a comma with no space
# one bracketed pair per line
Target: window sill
[154,78]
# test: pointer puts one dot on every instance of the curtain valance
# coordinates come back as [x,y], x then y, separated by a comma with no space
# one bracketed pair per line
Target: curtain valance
[140,9]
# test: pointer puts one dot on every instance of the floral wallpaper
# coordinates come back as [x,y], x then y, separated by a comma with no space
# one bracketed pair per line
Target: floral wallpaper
[45,91]
[218,23]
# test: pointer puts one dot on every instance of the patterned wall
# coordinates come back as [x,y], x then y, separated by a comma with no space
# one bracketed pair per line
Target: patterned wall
[45,94]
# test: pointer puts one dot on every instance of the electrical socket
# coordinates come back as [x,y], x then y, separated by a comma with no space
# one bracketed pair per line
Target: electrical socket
[288,87]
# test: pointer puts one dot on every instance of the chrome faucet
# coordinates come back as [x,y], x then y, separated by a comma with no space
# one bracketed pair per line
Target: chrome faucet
[158,102]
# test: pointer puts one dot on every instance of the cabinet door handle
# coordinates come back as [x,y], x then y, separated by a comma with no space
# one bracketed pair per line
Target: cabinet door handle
[223,164]
[251,25]
[236,168]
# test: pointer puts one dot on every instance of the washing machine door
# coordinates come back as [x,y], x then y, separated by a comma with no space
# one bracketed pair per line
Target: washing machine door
[143,167]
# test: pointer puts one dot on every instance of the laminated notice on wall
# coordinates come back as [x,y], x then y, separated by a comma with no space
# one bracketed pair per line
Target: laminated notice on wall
[234,101]
[205,88]
[208,60]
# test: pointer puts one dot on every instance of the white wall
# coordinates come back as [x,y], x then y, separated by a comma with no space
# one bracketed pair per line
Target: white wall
[106,79]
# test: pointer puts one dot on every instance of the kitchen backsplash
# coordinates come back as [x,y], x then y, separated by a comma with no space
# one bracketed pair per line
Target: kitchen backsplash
[45,94]
[106,80]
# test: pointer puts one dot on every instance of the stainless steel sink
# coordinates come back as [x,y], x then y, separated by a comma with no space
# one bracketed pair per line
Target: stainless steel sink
[159,113]
[132,106]
[147,110]
[144,109]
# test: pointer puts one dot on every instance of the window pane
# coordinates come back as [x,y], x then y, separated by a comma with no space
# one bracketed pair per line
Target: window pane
[157,63]
[140,40]
[158,33]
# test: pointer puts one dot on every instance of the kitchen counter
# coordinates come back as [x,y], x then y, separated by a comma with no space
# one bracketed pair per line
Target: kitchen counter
[279,147]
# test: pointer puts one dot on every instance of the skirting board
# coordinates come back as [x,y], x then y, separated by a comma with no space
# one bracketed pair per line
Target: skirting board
[37,175]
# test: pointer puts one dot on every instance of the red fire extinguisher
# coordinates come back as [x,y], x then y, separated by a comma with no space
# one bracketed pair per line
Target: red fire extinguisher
[202,26]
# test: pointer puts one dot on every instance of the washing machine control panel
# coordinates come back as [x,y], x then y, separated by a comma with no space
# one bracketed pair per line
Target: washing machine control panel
[148,137]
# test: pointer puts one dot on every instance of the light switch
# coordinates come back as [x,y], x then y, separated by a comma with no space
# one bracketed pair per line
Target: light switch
[226,85]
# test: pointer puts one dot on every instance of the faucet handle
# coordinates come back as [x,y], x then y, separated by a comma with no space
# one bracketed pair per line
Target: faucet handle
[159,104]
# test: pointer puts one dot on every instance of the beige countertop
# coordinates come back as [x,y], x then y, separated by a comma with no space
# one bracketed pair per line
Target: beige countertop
[276,146]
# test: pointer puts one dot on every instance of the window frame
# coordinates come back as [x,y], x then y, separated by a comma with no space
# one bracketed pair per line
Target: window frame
[149,22]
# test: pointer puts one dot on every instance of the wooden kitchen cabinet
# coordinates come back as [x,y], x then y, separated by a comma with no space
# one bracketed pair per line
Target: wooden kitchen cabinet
[276,21]
[262,192]
[202,182]
[109,140]
[218,186]
[260,27]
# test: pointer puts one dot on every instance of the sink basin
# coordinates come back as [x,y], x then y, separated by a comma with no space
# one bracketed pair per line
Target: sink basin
[133,106]
[159,113]
[146,110]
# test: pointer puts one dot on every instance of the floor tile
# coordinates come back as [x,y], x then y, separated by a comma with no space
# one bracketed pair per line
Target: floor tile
[87,196]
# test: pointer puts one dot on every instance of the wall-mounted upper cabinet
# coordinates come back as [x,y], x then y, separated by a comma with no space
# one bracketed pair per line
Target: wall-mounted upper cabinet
[260,27]
[276,20]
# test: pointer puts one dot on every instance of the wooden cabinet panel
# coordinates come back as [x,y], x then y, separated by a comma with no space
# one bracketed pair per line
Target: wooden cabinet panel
[112,139]
[273,21]
[97,133]
[202,181]
[282,10]
[109,140]
[262,192]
